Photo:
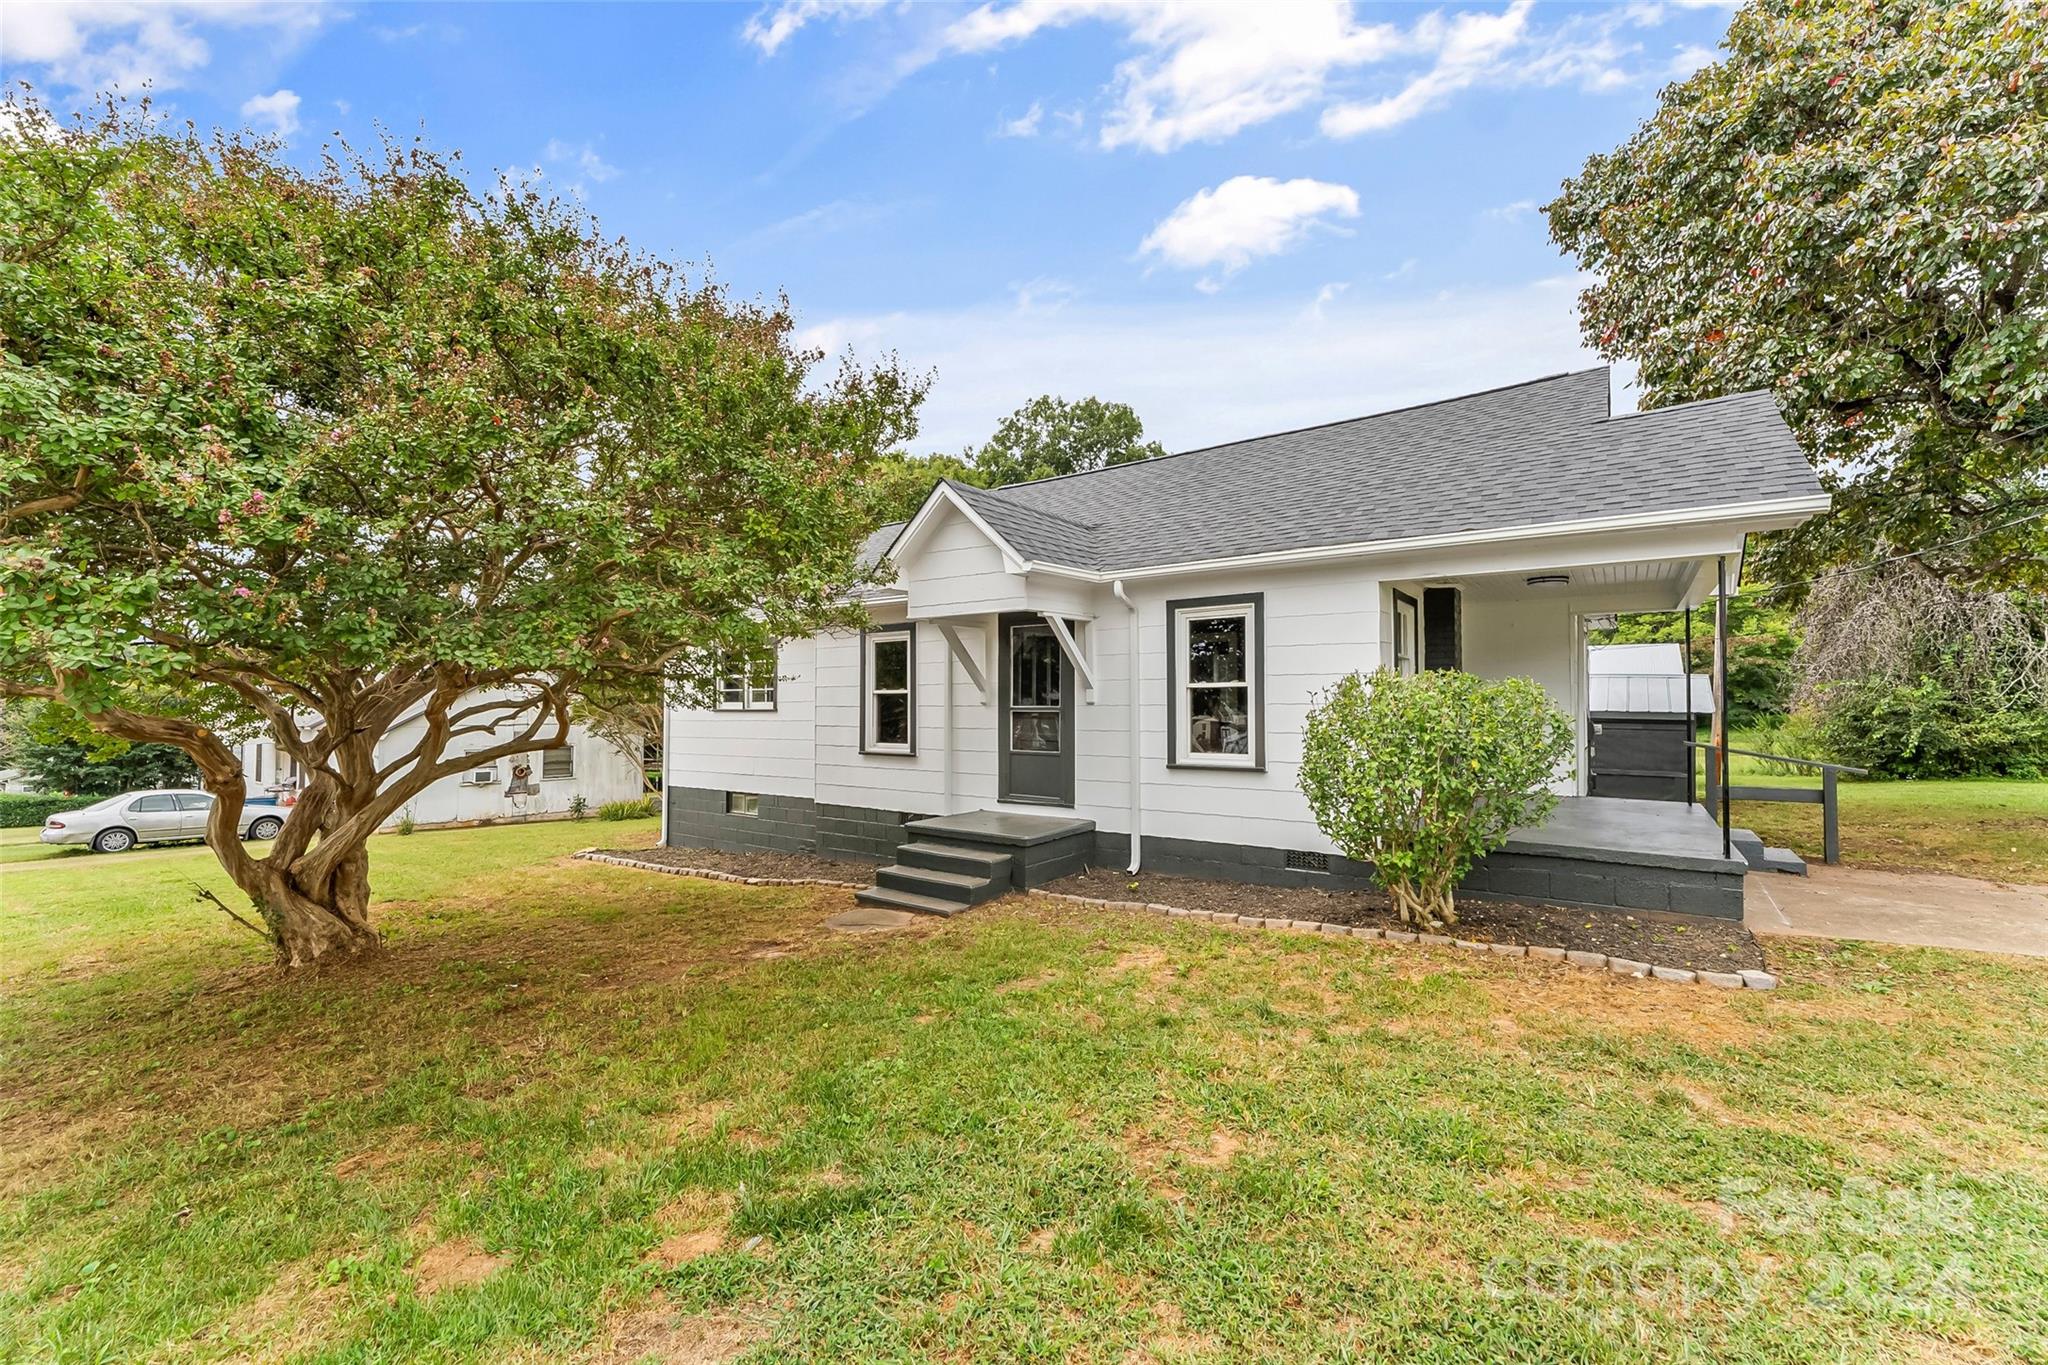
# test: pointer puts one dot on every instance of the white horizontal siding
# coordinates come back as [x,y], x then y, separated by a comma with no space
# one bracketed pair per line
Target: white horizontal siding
[768,752]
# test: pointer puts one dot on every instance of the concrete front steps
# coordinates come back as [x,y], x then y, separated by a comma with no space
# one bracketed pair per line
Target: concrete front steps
[1762,859]
[956,862]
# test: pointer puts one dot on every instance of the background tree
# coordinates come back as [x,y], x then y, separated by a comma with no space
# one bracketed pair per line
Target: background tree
[1050,436]
[898,483]
[1849,209]
[1907,674]
[312,451]
[56,751]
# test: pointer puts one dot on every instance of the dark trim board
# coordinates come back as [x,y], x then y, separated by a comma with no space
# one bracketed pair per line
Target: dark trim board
[1257,602]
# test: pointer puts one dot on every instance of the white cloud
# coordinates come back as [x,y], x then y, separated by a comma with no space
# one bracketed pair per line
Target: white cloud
[578,160]
[1194,388]
[1243,218]
[1204,70]
[1466,48]
[837,215]
[1043,294]
[1689,59]
[1511,213]
[123,46]
[1325,296]
[277,112]
[1024,125]
[773,25]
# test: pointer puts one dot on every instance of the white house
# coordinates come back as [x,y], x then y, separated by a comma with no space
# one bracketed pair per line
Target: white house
[542,783]
[1115,667]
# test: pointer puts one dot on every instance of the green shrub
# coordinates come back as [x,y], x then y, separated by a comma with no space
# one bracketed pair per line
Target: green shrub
[579,806]
[626,810]
[1923,730]
[1422,776]
[26,810]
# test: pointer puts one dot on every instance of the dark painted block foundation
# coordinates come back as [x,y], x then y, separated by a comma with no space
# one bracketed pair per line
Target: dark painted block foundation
[1539,870]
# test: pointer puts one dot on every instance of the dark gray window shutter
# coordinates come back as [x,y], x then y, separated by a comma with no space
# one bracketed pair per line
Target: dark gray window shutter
[1441,645]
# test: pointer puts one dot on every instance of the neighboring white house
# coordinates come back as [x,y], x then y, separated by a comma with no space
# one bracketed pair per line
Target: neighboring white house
[588,766]
[1138,646]
[1645,679]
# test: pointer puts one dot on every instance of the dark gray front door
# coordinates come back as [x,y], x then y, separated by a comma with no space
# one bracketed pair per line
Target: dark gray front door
[1035,740]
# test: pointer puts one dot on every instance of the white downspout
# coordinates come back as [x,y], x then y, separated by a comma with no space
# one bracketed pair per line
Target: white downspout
[1131,705]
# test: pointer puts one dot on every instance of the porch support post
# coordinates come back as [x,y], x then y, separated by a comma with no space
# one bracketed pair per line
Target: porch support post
[968,663]
[1072,651]
[1692,724]
[1721,695]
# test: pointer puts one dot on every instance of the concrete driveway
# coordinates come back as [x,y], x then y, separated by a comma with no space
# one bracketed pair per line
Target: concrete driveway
[1929,909]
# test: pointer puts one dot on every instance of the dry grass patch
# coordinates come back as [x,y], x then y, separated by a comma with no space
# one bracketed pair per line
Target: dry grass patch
[657,1331]
[457,1264]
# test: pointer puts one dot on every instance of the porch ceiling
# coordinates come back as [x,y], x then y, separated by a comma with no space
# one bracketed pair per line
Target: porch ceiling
[1652,577]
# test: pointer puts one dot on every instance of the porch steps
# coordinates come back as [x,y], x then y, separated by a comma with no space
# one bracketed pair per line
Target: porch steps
[1763,859]
[934,878]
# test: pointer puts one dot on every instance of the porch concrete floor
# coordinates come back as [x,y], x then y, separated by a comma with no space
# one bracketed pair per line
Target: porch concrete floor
[1615,829]
[1001,827]
[1924,909]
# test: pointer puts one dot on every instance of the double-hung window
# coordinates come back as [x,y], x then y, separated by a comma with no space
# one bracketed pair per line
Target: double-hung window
[1217,678]
[748,684]
[889,691]
[558,763]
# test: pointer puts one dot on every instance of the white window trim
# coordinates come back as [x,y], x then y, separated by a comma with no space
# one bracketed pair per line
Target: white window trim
[1184,754]
[1412,606]
[569,776]
[908,691]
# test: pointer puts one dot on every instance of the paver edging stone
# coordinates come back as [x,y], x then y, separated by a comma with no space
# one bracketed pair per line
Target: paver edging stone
[710,874]
[1748,978]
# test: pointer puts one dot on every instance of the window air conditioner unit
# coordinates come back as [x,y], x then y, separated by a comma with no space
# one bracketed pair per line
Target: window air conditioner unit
[483,777]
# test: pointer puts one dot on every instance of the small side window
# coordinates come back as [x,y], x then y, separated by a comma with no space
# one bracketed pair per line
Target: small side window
[558,763]
[742,803]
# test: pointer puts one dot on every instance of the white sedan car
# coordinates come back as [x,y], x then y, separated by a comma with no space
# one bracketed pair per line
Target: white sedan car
[119,823]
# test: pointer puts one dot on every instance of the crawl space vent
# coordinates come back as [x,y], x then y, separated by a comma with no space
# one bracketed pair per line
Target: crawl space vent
[1308,862]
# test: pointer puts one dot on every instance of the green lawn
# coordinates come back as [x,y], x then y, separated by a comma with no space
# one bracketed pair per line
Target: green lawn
[586,1113]
[1977,827]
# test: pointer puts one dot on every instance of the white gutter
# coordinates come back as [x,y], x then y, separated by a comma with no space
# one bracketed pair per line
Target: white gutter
[1746,515]
[1131,705]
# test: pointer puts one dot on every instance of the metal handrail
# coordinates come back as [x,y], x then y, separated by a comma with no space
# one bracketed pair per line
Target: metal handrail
[1826,798]
[1780,758]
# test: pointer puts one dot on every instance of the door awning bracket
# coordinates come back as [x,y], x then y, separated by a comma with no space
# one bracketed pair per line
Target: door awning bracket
[1073,652]
[969,665]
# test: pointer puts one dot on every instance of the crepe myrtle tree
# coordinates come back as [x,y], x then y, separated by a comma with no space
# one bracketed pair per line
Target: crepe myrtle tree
[1848,208]
[312,453]
[1422,776]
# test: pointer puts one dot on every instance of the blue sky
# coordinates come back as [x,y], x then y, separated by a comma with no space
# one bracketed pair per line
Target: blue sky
[1237,217]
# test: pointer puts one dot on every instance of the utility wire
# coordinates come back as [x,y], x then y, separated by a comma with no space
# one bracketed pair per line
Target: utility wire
[1865,567]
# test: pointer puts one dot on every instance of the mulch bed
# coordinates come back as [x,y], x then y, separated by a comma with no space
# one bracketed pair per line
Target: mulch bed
[755,864]
[1643,936]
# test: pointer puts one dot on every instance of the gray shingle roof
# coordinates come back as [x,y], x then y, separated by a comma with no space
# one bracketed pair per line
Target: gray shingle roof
[1542,452]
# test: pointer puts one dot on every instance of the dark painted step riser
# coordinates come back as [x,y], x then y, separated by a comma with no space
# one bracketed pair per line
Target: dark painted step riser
[916,879]
[946,860]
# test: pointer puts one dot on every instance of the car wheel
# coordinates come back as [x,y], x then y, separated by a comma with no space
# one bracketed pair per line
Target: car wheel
[113,841]
[265,829]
